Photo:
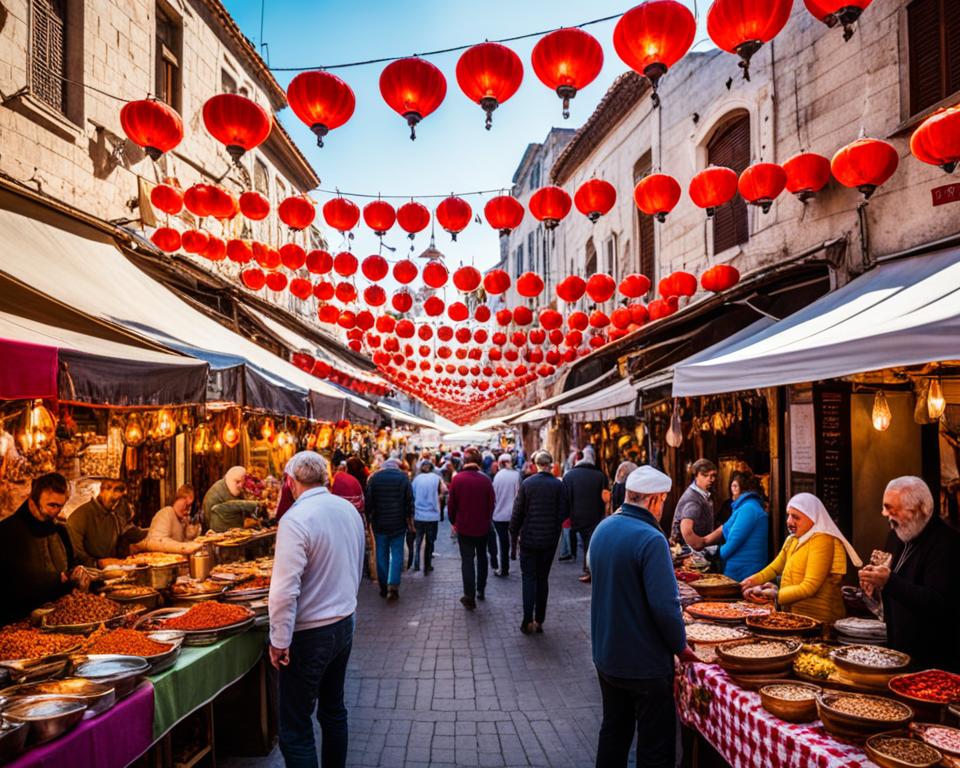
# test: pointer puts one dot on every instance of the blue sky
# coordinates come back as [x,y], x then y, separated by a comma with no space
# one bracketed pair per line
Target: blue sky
[453,152]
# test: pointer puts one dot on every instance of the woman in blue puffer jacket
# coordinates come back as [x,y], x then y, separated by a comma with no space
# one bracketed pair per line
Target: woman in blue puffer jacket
[744,548]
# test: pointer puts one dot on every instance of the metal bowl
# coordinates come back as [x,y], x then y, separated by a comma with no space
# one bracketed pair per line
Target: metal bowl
[122,672]
[13,738]
[194,637]
[97,697]
[127,593]
[159,576]
[163,661]
[82,629]
[47,717]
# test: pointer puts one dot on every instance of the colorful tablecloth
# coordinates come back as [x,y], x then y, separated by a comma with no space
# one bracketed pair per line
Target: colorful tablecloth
[200,674]
[111,740]
[745,734]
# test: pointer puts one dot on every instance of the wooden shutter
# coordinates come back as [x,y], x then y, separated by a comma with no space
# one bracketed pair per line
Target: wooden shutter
[646,245]
[47,55]
[933,37]
[730,147]
[951,38]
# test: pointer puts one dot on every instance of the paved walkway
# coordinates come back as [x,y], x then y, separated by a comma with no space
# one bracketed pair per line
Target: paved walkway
[430,683]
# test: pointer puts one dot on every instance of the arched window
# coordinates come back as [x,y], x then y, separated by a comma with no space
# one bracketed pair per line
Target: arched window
[730,147]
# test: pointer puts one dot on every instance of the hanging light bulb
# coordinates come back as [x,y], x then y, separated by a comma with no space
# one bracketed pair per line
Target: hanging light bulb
[218,446]
[936,402]
[166,426]
[133,434]
[38,429]
[201,440]
[268,431]
[881,412]
[230,435]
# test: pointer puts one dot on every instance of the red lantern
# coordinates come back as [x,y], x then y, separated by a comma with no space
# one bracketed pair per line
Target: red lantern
[638,313]
[660,308]
[678,284]
[504,317]
[522,315]
[297,212]
[529,284]
[236,122]
[496,281]
[386,324]
[276,281]
[654,36]
[712,187]
[435,274]
[166,239]
[620,318]
[327,313]
[402,300]
[405,271]
[807,173]
[458,312]
[503,213]
[433,306]
[489,74]
[634,286]
[657,195]
[321,100]
[219,203]
[600,287]
[194,240]
[167,198]
[550,205]
[265,256]
[197,199]
[374,296]
[833,12]
[254,278]
[319,262]
[375,268]
[151,125]
[341,214]
[346,293]
[301,288]
[413,217]
[324,290]
[566,61]
[347,319]
[467,279]
[595,198]
[720,277]
[482,313]
[550,319]
[518,339]
[405,329]
[571,288]
[292,256]
[379,216]
[865,164]
[598,319]
[937,140]
[743,26]
[254,206]
[345,264]
[413,88]
[453,214]
[761,184]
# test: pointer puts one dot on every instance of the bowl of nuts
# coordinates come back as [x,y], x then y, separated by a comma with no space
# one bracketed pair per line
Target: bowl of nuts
[793,702]
[856,716]
[896,750]
[869,665]
[757,655]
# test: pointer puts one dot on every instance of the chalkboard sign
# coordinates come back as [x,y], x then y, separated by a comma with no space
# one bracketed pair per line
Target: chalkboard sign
[833,454]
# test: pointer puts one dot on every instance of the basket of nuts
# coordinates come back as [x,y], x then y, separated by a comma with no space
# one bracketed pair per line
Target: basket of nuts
[856,716]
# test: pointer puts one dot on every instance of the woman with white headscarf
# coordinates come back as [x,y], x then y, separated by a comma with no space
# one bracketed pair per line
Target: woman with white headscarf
[810,565]
[223,507]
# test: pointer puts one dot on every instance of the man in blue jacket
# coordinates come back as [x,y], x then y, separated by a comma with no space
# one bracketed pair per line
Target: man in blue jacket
[636,625]
[388,505]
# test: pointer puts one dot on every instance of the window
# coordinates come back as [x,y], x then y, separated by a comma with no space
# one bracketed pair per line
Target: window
[535,176]
[518,261]
[590,259]
[228,83]
[168,54]
[933,37]
[646,244]
[730,146]
[261,177]
[48,54]
[281,195]
[532,251]
[610,256]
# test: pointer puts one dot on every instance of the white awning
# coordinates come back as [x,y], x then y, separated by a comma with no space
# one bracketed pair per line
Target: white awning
[904,312]
[465,436]
[398,414]
[618,399]
[562,397]
[538,414]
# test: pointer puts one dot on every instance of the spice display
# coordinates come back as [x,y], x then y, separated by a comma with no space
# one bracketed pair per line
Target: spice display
[791,692]
[688,576]
[932,685]
[81,608]
[713,633]
[33,644]
[724,611]
[192,588]
[941,737]
[156,559]
[715,581]
[126,642]
[872,656]
[762,649]
[259,582]
[782,620]
[813,665]
[906,750]
[868,707]
[208,615]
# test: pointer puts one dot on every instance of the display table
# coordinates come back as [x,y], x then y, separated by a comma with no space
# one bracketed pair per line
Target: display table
[116,738]
[199,675]
[745,734]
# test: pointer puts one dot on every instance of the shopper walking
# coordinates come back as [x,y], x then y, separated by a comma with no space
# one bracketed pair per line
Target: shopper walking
[470,506]
[506,486]
[538,514]
[585,485]
[636,626]
[427,490]
[388,504]
[313,596]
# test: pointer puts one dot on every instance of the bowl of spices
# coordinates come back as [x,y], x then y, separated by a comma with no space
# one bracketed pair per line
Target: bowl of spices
[893,750]
[870,665]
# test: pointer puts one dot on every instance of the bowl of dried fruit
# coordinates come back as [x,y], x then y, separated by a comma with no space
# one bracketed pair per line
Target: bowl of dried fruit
[896,750]
[929,692]
[856,715]
[757,655]
[81,613]
[941,737]
[869,665]
[160,652]
[782,623]
[793,702]
[203,624]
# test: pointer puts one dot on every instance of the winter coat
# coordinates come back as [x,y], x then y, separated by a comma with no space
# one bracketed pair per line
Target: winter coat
[744,548]
[388,501]
[585,485]
[471,501]
[539,511]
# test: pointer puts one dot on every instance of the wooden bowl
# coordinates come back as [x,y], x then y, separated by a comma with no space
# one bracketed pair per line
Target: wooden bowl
[921,729]
[791,710]
[756,665]
[889,761]
[726,590]
[865,674]
[808,627]
[926,709]
[857,727]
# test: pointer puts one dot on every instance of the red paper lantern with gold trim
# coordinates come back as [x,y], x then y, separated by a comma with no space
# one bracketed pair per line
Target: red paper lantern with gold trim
[595,198]
[341,214]
[761,184]
[743,26]
[489,74]
[807,173]
[321,100]
[413,88]
[656,195]
[152,126]
[236,122]
[865,164]
[504,213]
[566,61]
[453,214]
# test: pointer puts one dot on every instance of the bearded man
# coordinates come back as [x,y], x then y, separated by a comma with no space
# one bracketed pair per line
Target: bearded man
[917,581]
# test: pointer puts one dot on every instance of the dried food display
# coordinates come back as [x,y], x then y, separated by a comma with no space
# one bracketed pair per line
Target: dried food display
[208,615]
[868,707]
[813,665]
[81,608]
[132,592]
[942,737]
[782,620]
[872,656]
[905,750]
[156,559]
[701,632]
[33,644]
[188,588]
[931,685]
[717,611]
[789,692]
[258,582]
[125,642]
[714,580]
[760,649]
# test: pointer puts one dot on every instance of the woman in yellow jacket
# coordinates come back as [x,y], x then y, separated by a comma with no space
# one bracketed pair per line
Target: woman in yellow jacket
[810,565]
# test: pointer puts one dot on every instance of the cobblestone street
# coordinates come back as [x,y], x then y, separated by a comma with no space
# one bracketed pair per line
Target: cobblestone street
[430,683]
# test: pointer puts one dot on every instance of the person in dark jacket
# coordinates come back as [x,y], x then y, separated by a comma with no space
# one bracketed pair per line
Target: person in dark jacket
[388,505]
[538,514]
[36,555]
[470,506]
[585,485]
[917,579]
[618,491]
[636,626]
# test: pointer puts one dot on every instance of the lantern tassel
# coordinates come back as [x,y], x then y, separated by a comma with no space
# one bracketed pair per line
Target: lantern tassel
[412,119]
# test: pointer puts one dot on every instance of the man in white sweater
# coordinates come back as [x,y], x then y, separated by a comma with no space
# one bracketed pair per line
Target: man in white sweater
[313,595]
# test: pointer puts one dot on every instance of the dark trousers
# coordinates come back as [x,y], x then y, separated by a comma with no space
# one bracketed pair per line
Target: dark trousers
[492,548]
[425,530]
[314,678]
[642,706]
[535,571]
[473,563]
[502,530]
[411,538]
[585,534]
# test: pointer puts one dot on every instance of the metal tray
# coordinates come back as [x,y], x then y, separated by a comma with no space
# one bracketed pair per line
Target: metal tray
[46,717]
[97,697]
[122,672]
[13,738]
[193,637]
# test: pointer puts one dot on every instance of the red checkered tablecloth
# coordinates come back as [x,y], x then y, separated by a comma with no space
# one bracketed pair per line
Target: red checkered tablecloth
[745,734]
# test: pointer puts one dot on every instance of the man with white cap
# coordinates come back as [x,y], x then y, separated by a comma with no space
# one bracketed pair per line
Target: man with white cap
[636,626]
[313,596]
[506,485]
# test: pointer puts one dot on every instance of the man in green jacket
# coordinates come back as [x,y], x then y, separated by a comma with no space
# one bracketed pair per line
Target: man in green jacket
[223,507]
[101,528]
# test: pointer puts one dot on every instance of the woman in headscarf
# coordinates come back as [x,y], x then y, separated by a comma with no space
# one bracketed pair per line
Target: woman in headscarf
[619,490]
[810,565]
[223,507]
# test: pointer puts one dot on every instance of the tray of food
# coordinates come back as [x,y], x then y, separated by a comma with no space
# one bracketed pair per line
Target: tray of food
[857,715]
[45,718]
[202,624]
[725,613]
[784,623]
[896,750]
[716,587]
[81,613]
[134,593]
[160,650]
[193,590]
[870,665]
[250,589]
[793,702]
[248,569]
[29,644]
[942,737]
[757,655]
[701,633]
[931,686]
[120,671]
[861,630]
[97,697]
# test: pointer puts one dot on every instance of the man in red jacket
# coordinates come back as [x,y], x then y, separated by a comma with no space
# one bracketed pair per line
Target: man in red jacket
[470,506]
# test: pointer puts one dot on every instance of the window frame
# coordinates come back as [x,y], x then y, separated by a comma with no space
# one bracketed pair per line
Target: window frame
[67,119]
[722,126]
[910,117]
[169,61]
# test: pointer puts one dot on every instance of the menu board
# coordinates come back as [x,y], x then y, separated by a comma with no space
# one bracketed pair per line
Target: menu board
[833,452]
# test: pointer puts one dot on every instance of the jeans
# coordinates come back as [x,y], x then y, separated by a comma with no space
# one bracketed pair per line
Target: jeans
[502,530]
[425,530]
[314,678]
[535,571]
[585,534]
[473,549]
[645,706]
[389,558]
[565,543]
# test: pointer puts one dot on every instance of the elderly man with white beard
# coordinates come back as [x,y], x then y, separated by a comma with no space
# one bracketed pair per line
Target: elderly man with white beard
[917,581]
